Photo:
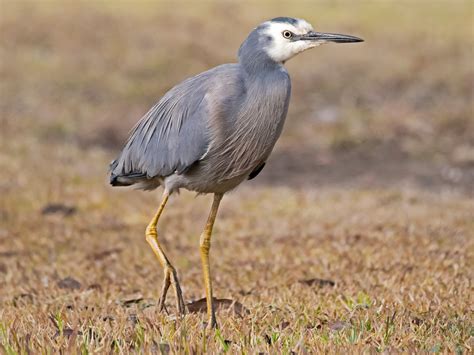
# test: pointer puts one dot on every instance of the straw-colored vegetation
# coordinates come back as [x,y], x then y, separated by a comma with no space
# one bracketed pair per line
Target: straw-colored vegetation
[358,236]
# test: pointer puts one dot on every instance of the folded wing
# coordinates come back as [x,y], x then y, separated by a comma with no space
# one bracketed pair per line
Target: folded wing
[170,138]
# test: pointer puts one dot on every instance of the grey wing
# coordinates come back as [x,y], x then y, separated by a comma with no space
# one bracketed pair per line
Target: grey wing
[169,138]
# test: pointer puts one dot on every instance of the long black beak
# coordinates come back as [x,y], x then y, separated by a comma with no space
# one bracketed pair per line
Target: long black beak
[330,37]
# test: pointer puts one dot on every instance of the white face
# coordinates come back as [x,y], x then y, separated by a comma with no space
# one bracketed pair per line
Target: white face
[281,49]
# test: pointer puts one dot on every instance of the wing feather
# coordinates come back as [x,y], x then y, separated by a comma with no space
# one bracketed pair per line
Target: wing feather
[171,136]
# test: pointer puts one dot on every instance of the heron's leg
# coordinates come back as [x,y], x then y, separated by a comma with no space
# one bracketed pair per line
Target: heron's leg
[171,277]
[205,245]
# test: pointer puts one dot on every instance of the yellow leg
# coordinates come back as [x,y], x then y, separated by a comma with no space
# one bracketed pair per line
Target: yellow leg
[205,245]
[171,277]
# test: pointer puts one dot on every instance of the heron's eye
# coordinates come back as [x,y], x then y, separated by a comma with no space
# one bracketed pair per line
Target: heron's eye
[287,34]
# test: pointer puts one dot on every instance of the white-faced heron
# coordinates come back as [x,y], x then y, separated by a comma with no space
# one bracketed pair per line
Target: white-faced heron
[215,130]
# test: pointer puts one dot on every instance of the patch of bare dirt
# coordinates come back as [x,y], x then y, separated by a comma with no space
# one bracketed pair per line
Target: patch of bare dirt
[384,165]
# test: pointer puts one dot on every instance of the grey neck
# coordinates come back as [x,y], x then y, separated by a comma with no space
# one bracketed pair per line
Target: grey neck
[252,55]
[258,63]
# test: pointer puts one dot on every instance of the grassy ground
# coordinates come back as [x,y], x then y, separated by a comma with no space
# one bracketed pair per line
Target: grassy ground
[358,236]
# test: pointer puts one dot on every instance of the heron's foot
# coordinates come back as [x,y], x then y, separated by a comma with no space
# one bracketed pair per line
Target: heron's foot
[212,323]
[171,279]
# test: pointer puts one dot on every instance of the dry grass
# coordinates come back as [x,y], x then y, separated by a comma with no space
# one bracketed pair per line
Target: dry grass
[370,187]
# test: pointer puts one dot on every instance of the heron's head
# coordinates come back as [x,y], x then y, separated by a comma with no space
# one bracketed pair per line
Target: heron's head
[284,37]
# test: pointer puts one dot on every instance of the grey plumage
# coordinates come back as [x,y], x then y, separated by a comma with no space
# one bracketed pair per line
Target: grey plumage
[214,130]
[290,20]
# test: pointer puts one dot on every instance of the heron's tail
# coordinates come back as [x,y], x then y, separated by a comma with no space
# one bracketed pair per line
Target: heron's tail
[114,177]
[121,179]
[140,180]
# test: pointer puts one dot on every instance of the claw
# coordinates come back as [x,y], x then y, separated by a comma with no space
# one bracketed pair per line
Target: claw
[178,293]
[164,290]
[171,279]
[212,324]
